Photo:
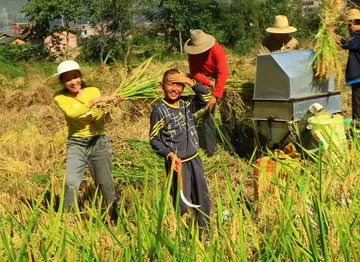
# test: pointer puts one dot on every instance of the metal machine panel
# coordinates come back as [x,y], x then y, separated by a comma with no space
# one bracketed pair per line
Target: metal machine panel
[331,103]
[294,109]
[287,75]
[275,109]
[274,131]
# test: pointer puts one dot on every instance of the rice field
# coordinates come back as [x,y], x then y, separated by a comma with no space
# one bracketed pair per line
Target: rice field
[309,212]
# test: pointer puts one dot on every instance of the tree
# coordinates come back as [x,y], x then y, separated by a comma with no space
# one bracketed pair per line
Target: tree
[177,17]
[42,12]
[113,19]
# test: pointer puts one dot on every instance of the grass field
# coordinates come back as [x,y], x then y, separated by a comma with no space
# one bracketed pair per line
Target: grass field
[311,215]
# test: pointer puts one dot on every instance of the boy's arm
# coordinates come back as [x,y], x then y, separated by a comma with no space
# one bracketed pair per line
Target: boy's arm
[202,96]
[157,123]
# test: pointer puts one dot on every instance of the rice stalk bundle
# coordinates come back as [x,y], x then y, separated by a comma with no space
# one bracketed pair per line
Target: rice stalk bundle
[327,61]
[139,84]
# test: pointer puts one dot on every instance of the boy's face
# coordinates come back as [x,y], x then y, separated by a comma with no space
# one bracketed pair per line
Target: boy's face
[172,90]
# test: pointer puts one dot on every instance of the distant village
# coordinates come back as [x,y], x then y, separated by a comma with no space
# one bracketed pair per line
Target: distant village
[66,42]
[57,41]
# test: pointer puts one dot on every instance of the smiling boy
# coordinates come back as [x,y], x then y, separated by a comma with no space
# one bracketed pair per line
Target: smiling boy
[173,136]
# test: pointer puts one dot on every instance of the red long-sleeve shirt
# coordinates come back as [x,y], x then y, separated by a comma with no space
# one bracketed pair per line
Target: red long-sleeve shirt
[212,64]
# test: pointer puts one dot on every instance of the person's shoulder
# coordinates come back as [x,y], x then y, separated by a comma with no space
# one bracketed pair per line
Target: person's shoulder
[158,110]
[91,89]
[356,34]
[59,95]
[217,47]
[159,105]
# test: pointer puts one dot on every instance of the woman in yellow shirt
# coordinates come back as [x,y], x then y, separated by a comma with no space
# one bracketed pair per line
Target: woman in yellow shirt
[87,142]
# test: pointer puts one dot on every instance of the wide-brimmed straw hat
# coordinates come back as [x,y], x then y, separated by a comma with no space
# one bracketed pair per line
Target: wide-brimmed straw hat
[281,26]
[67,66]
[199,42]
[353,14]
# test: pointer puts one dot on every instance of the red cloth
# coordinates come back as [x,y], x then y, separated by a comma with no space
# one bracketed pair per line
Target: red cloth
[211,63]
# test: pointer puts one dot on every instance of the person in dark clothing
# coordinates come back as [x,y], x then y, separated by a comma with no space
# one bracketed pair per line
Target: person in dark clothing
[173,136]
[352,73]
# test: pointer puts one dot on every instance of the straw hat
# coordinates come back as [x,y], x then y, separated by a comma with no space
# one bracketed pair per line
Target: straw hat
[281,26]
[67,66]
[353,14]
[199,42]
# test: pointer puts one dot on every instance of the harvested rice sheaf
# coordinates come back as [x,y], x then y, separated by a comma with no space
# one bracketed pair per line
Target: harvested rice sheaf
[139,83]
[327,60]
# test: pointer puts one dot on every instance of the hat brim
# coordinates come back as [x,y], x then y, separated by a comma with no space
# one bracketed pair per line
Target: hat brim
[285,30]
[353,17]
[206,45]
[55,79]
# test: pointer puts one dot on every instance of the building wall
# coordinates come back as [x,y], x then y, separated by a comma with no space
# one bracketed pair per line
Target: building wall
[18,41]
[62,43]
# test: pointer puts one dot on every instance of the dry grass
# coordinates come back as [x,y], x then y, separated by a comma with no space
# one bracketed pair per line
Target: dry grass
[328,55]
[33,133]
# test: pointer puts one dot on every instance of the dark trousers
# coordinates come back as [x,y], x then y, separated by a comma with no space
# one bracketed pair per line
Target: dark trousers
[195,189]
[355,100]
[228,124]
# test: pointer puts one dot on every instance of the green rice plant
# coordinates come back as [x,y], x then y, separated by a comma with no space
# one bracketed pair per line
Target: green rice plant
[139,84]
[313,217]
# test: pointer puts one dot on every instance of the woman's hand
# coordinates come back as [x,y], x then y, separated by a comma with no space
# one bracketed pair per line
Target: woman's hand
[107,99]
[102,99]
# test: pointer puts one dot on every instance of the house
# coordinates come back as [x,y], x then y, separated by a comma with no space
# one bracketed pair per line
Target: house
[309,5]
[3,36]
[86,30]
[12,40]
[21,28]
[62,43]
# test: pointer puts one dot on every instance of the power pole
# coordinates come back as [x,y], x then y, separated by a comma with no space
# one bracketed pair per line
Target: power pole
[6,21]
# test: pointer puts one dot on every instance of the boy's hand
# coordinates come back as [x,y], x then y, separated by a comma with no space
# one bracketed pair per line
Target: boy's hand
[180,78]
[176,160]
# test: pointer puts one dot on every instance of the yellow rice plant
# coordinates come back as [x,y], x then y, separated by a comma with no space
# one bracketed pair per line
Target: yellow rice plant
[9,165]
[327,60]
[32,146]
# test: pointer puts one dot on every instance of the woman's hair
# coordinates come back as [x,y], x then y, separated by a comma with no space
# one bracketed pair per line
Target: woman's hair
[62,75]
[83,84]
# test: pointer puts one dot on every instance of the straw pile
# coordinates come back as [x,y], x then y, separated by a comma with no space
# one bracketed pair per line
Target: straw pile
[327,61]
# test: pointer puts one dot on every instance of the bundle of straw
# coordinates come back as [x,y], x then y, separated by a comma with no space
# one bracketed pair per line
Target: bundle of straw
[139,84]
[326,60]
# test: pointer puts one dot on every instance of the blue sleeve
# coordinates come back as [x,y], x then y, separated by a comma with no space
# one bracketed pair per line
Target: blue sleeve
[157,123]
[202,96]
[352,43]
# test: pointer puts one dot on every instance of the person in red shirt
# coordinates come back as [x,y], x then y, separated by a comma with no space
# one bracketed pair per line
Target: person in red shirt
[207,63]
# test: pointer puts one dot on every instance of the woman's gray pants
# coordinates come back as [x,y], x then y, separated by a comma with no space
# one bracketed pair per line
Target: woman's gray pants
[96,153]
